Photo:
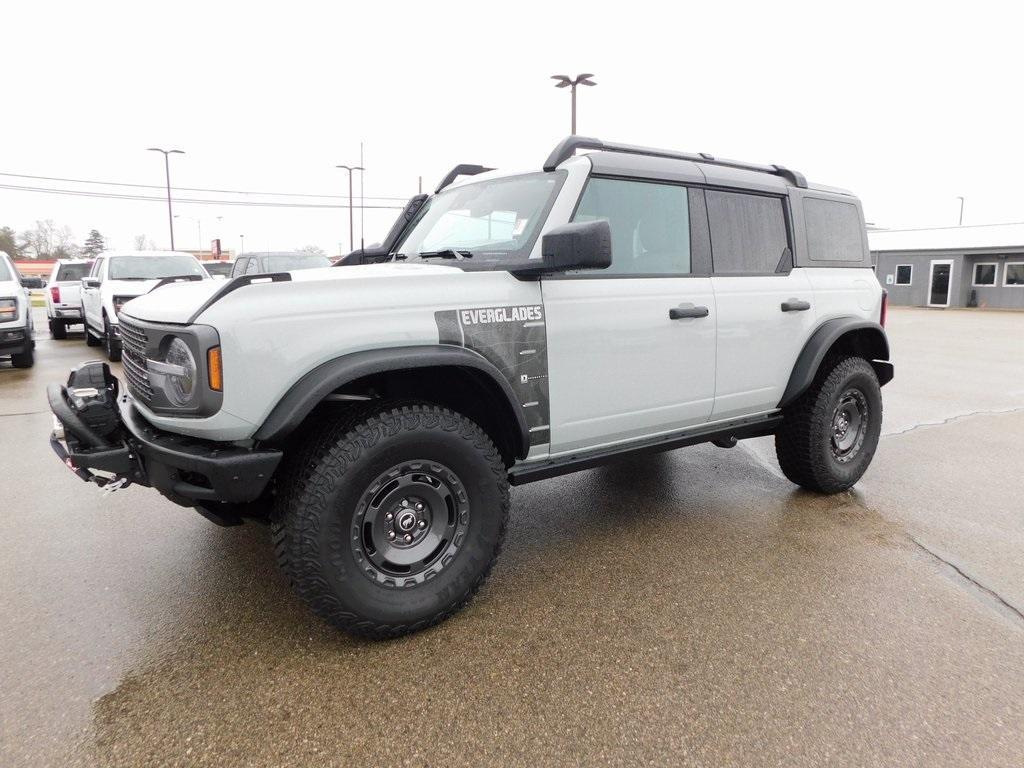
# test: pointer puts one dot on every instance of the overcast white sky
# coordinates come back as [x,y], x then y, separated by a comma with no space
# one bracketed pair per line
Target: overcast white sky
[909,106]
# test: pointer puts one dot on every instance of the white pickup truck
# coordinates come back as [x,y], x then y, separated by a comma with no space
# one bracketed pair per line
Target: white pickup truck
[117,277]
[64,295]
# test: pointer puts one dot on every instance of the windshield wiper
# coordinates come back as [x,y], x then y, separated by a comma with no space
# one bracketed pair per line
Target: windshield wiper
[446,253]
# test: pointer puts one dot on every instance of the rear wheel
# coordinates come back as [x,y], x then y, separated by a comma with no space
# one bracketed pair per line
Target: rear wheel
[830,433]
[58,329]
[389,520]
[111,344]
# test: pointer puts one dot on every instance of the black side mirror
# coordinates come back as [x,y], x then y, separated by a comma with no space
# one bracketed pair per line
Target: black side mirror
[90,282]
[580,245]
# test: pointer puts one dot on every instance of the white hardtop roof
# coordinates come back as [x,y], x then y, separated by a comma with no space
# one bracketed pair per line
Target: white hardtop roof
[1010,236]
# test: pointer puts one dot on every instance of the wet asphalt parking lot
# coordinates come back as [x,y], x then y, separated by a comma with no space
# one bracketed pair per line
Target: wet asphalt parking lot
[692,608]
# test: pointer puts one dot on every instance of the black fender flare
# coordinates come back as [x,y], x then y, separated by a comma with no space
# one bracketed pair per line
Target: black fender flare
[827,334]
[310,390]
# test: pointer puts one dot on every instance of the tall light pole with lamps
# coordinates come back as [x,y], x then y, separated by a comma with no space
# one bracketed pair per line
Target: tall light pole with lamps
[564,81]
[351,227]
[167,170]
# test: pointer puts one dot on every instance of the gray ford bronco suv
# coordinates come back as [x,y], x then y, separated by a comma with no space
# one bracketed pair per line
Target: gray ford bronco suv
[512,327]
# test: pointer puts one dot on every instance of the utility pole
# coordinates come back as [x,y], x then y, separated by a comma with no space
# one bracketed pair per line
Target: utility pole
[961,211]
[241,248]
[167,171]
[351,228]
[564,81]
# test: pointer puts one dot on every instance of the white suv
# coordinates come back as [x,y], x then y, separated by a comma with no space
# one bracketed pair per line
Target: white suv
[15,316]
[119,276]
[523,326]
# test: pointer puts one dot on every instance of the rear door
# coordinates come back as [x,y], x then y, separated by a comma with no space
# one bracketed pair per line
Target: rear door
[631,349]
[765,307]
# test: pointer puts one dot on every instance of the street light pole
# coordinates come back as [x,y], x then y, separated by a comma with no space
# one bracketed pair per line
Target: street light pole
[241,248]
[351,226]
[564,81]
[167,171]
[961,211]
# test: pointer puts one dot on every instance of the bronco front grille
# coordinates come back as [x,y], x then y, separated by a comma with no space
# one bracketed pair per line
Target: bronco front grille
[134,342]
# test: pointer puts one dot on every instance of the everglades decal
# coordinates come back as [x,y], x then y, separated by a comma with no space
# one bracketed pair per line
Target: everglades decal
[514,340]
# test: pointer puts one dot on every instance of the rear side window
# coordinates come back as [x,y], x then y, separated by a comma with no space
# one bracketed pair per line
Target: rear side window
[748,232]
[833,230]
[71,272]
[650,225]
[5,273]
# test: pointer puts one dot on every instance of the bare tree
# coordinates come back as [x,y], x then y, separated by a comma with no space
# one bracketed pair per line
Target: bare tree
[315,250]
[48,241]
[143,243]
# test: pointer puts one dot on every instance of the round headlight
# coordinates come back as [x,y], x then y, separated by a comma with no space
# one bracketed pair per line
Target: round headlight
[181,388]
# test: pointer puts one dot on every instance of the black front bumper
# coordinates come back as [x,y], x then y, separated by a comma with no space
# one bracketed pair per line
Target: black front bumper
[189,471]
[15,341]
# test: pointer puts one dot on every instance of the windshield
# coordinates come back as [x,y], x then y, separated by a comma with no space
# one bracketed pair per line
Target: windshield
[491,220]
[289,261]
[218,267]
[73,271]
[153,267]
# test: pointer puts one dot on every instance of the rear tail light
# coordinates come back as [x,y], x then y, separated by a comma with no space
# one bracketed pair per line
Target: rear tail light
[885,308]
[55,294]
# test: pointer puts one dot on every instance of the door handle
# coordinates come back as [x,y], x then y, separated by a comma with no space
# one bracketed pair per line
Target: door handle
[681,312]
[795,305]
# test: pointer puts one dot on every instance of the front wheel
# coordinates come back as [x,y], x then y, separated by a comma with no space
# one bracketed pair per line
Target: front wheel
[112,345]
[389,520]
[830,433]
[24,359]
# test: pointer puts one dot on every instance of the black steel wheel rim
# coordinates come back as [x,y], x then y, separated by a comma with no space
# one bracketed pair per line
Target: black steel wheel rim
[849,425]
[410,523]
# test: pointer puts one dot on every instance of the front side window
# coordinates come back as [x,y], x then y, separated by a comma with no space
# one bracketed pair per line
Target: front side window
[492,221]
[153,267]
[904,274]
[984,274]
[748,232]
[1013,274]
[649,222]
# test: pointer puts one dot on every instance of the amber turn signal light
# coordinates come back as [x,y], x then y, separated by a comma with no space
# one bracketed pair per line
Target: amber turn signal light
[214,369]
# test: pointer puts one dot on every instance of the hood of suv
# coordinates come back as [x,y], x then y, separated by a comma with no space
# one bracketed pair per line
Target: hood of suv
[178,302]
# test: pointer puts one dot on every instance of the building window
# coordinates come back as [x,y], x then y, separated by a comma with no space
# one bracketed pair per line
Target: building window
[984,274]
[904,274]
[1013,273]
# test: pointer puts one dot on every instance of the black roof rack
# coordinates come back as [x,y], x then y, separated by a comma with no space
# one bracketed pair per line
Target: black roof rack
[568,146]
[460,170]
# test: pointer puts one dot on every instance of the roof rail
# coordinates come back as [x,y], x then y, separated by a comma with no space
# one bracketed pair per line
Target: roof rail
[568,146]
[460,170]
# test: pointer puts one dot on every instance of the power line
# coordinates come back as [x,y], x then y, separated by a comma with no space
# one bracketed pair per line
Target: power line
[189,189]
[150,198]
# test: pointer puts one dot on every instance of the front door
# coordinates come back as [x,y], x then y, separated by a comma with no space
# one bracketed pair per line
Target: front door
[631,349]
[940,283]
[92,304]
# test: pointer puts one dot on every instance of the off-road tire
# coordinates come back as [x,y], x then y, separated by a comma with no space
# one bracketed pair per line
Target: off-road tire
[24,359]
[804,443]
[110,344]
[320,503]
[58,329]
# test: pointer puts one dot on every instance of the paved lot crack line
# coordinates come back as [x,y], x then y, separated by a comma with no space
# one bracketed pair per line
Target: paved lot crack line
[1000,603]
[951,419]
[23,413]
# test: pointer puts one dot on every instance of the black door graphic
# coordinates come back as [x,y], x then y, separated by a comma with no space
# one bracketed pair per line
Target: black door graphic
[940,284]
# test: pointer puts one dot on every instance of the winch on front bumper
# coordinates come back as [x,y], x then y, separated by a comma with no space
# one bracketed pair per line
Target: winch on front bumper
[99,429]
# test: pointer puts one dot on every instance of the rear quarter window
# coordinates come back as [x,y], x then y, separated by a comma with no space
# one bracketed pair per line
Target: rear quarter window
[834,230]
